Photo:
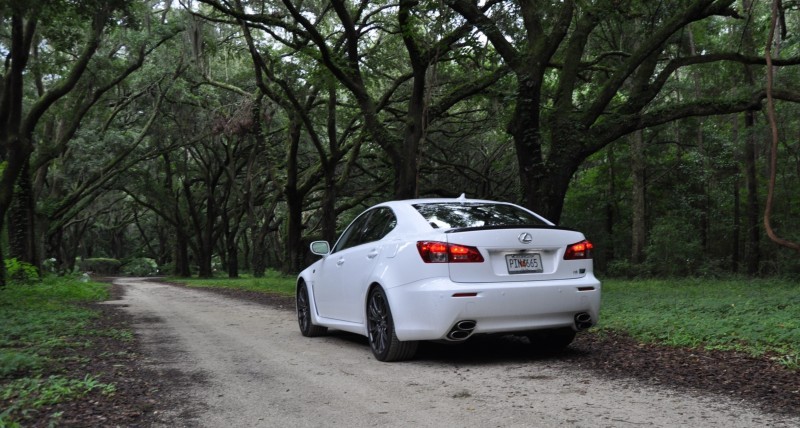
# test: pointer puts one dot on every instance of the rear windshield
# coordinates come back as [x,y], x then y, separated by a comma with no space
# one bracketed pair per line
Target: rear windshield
[454,215]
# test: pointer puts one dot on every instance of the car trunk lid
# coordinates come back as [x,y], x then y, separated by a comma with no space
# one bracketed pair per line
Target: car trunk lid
[515,254]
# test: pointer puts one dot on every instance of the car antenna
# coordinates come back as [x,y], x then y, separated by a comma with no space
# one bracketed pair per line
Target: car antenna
[462,198]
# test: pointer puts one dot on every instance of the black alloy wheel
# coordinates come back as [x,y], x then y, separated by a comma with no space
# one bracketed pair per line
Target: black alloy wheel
[307,327]
[382,338]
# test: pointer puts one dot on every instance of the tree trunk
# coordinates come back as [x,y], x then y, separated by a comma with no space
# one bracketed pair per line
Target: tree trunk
[232,252]
[329,207]
[638,187]
[524,128]
[737,226]
[204,265]
[245,252]
[407,166]
[330,193]
[294,203]
[182,266]
[17,157]
[22,221]
[610,205]
[258,261]
[233,262]
[752,252]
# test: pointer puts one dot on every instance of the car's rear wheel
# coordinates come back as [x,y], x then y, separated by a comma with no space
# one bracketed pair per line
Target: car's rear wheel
[382,338]
[555,340]
[307,327]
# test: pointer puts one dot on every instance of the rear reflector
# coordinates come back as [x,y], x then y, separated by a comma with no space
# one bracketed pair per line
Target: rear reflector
[579,250]
[442,252]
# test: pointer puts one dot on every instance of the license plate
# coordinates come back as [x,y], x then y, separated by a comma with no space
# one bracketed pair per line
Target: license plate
[524,263]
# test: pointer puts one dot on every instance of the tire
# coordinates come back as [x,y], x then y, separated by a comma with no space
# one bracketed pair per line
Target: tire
[307,327]
[380,325]
[551,341]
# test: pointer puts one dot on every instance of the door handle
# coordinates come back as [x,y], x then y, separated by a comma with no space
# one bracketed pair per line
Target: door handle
[372,254]
[340,262]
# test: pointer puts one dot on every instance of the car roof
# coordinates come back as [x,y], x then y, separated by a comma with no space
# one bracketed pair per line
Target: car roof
[439,200]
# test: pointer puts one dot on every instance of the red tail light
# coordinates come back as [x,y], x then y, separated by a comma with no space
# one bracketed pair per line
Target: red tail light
[442,252]
[580,250]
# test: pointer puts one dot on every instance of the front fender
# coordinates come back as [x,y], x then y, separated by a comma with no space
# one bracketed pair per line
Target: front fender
[306,277]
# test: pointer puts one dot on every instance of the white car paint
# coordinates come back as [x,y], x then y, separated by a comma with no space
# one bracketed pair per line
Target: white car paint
[424,297]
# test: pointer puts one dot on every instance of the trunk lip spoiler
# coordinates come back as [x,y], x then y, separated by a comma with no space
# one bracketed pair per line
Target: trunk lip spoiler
[500,227]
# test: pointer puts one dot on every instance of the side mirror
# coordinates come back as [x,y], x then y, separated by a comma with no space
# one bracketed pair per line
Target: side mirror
[320,248]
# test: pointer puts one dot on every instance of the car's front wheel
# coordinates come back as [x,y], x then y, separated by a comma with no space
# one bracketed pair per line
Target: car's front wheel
[382,338]
[307,327]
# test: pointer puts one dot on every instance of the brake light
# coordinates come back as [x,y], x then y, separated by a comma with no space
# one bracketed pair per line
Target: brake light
[579,250]
[442,252]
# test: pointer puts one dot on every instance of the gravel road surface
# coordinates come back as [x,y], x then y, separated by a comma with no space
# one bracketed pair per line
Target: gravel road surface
[246,365]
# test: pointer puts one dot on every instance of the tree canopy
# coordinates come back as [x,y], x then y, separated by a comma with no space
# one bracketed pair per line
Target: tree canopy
[227,134]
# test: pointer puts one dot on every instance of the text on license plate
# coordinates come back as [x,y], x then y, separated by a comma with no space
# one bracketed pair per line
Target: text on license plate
[524,263]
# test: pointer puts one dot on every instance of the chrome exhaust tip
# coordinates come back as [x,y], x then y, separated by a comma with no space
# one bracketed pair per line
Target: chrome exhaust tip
[461,330]
[583,321]
[458,335]
[467,325]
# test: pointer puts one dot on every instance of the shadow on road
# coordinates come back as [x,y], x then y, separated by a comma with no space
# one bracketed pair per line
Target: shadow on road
[483,349]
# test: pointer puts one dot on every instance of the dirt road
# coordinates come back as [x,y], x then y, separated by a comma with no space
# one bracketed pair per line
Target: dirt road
[246,365]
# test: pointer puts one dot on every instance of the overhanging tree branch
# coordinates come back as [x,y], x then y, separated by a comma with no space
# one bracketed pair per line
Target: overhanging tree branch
[612,127]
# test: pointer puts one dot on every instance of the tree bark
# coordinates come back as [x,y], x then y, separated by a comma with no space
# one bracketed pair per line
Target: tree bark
[638,192]
[22,221]
[752,251]
[610,209]
[294,203]
[233,258]
[182,265]
[737,226]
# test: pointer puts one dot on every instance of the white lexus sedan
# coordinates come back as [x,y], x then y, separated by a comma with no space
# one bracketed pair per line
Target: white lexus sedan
[448,269]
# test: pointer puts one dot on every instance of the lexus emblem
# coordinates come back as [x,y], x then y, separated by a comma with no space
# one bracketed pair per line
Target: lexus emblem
[525,238]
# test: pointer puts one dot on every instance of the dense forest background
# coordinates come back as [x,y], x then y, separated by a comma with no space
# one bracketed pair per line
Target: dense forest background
[224,135]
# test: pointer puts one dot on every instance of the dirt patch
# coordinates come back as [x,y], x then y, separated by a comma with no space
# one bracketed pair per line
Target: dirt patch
[759,381]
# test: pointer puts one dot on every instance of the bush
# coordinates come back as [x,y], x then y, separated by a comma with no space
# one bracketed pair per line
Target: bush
[674,248]
[142,266]
[623,268]
[21,272]
[100,265]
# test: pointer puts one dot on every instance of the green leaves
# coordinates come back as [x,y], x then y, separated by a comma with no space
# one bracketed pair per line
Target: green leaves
[33,393]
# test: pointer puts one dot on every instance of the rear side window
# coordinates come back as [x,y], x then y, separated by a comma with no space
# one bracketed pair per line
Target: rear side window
[368,227]
[380,224]
[454,215]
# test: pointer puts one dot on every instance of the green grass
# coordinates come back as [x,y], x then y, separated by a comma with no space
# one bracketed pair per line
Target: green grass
[29,393]
[758,317]
[272,282]
[37,322]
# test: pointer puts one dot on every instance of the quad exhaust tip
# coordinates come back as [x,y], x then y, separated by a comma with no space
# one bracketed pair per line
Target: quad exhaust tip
[583,321]
[462,330]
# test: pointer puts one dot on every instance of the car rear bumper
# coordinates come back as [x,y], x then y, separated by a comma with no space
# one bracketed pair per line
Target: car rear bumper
[429,309]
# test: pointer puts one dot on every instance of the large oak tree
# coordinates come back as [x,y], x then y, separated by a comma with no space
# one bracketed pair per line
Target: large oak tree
[588,73]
